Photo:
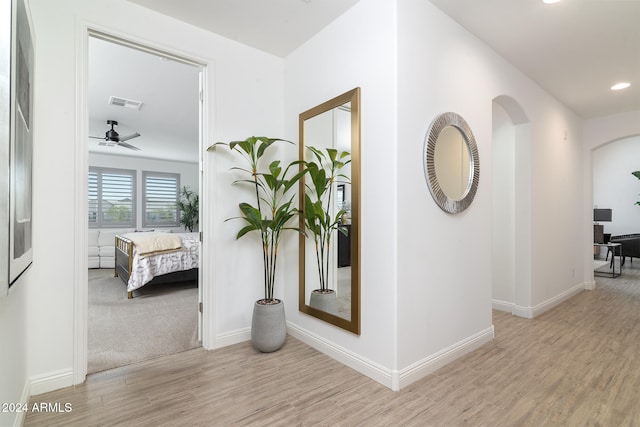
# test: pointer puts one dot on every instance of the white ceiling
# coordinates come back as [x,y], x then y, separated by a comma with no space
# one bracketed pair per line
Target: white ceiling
[168,119]
[575,49]
[274,26]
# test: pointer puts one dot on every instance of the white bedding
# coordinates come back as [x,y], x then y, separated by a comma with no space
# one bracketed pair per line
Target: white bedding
[145,268]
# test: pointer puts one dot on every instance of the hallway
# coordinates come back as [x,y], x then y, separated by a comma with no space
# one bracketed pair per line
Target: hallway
[574,365]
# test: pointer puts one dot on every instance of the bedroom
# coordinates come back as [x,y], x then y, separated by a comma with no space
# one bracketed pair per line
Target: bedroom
[151,101]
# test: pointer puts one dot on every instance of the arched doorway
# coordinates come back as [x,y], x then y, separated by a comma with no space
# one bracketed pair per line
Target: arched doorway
[511,221]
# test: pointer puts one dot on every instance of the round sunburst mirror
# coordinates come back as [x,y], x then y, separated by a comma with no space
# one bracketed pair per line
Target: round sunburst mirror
[451,162]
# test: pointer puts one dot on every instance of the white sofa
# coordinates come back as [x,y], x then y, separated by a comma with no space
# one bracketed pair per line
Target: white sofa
[102,245]
[94,251]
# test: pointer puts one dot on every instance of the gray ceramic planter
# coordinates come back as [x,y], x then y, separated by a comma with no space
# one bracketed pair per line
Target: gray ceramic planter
[324,301]
[268,327]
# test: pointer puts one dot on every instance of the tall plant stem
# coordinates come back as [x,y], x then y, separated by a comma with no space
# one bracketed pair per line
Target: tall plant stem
[272,270]
[327,237]
[265,242]
[319,265]
[265,261]
[323,278]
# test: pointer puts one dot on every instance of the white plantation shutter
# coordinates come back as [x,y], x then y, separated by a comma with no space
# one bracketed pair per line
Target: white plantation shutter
[93,198]
[160,196]
[111,197]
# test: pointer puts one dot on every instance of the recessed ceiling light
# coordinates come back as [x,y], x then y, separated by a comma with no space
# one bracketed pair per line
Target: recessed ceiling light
[550,1]
[621,85]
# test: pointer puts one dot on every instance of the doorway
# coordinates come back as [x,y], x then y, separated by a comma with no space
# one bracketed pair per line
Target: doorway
[153,101]
[511,188]
[615,189]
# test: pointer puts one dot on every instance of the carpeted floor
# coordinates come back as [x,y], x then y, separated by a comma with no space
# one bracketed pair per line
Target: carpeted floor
[159,320]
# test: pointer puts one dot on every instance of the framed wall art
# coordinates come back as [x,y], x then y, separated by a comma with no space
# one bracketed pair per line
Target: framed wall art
[16,142]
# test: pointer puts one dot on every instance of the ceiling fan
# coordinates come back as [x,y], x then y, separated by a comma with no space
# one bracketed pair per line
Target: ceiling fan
[112,138]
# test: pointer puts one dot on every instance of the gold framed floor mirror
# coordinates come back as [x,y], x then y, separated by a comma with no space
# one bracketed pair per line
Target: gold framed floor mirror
[329,248]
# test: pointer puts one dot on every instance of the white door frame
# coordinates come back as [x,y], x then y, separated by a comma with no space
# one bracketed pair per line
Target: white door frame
[81,166]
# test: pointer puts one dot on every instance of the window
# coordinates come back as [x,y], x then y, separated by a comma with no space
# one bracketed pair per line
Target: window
[160,196]
[111,197]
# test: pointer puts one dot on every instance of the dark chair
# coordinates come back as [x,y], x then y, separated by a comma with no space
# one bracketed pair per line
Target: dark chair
[630,245]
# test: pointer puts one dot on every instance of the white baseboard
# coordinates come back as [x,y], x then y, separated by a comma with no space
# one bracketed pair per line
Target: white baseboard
[18,420]
[521,311]
[531,312]
[552,302]
[51,381]
[395,380]
[364,366]
[233,337]
[497,304]
[434,362]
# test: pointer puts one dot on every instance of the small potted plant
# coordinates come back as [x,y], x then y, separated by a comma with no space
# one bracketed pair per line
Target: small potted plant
[189,209]
[321,219]
[269,214]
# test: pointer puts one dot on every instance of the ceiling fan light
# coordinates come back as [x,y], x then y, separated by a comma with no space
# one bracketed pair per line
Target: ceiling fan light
[621,85]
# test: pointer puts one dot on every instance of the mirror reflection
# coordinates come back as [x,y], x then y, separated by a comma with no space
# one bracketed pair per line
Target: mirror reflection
[329,254]
[452,162]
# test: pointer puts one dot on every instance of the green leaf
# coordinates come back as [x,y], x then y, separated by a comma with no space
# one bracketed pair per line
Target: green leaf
[273,208]
[332,152]
[212,147]
[244,230]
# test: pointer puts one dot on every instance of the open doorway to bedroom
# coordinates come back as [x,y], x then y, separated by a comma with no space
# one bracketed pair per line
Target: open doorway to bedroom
[143,185]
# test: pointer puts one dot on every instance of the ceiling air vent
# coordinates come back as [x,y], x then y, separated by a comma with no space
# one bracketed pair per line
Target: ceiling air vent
[123,102]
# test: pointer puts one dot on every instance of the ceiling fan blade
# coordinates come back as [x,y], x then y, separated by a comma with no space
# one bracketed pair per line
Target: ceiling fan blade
[128,137]
[97,137]
[127,145]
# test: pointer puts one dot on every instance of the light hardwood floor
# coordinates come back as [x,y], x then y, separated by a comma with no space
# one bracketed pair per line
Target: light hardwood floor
[576,365]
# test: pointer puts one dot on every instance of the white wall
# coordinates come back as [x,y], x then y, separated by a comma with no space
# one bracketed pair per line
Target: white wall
[444,271]
[614,187]
[426,275]
[244,90]
[556,206]
[444,260]
[13,351]
[188,172]
[336,60]
[503,218]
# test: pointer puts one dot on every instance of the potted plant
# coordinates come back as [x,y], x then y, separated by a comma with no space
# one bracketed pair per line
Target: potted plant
[189,208]
[269,214]
[321,219]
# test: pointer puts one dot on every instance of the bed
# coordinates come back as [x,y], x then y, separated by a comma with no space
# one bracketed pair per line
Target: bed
[156,257]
